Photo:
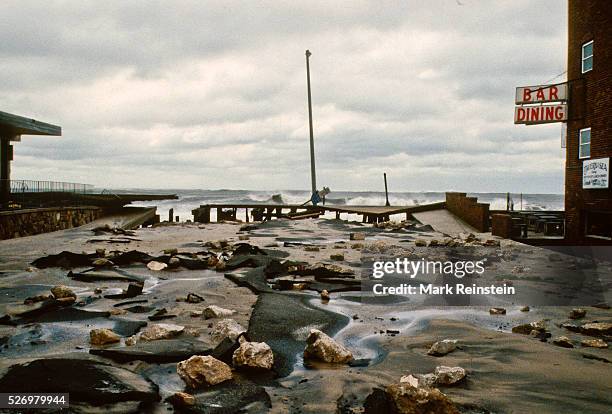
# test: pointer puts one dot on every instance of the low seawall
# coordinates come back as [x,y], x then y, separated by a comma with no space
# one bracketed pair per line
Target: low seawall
[469,210]
[20,223]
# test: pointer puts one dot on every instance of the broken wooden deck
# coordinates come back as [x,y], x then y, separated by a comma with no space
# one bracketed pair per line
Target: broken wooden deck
[258,212]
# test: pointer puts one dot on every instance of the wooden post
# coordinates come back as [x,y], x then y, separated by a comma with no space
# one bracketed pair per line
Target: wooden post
[5,170]
[337,215]
[247,214]
[386,191]
[171,215]
[176,219]
[219,214]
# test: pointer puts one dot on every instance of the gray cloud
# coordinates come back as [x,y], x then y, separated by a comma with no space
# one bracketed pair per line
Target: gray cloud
[212,94]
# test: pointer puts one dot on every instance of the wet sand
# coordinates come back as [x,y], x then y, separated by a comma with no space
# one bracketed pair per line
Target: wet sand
[507,372]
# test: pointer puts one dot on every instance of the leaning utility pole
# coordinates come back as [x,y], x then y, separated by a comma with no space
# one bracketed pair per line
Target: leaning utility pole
[313,174]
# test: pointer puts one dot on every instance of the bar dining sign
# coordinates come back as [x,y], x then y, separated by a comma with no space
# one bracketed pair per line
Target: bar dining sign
[596,173]
[531,99]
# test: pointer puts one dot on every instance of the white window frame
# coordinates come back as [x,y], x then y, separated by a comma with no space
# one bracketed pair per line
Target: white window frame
[580,143]
[584,58]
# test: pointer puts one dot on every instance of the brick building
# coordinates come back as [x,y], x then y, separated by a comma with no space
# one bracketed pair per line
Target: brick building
[588,200]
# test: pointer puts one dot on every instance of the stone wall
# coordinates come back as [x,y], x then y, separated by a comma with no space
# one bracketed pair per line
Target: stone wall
[20,223]
[469,210]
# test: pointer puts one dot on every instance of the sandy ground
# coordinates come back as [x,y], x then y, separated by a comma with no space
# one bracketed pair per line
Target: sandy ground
[507,373]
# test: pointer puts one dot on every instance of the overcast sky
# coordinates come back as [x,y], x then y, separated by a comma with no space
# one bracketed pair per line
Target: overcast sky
[212,94]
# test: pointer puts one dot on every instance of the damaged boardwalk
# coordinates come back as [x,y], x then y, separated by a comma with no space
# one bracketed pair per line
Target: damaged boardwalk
[259,212]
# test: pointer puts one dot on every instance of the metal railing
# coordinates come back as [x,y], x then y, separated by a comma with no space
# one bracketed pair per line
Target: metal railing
[19,194]
[34,186]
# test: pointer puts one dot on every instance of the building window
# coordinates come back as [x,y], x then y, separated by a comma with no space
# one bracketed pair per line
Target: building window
[584,143]
[598,224]
[587,56]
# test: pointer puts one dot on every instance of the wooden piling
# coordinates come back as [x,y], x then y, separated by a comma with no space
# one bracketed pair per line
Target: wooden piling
[171,215]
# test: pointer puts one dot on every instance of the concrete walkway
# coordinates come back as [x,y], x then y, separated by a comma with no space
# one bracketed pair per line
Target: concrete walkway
[444,221]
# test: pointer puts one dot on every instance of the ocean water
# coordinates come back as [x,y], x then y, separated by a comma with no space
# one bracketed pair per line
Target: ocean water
[191,199]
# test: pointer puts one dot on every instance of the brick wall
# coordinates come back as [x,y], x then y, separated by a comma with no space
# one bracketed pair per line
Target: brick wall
[469,210]
[22,223]
[501,225]
[590,106]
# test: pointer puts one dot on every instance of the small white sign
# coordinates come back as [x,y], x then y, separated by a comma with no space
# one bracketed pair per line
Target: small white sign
[596,173]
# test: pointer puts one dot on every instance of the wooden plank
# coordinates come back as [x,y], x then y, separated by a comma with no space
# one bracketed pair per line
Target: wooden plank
[18,125]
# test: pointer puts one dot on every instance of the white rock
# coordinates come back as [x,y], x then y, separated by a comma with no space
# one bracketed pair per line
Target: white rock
[323,348]
[253,355]
[410,380]
[156,266]
[199,371]
[214,311]
[160,331]
[449,375]
[594,343]
[131,340]
[226,328]
[443,347]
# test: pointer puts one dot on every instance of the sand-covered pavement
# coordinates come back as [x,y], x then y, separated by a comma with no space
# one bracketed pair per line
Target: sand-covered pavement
[270,276]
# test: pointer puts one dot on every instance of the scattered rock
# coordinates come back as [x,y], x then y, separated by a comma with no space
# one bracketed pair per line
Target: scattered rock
[117,311]
[594,343]
[357,236]
[420,243]
[449,375]
[181,400]
[577,313]
[194,298]
[526,328]
[325,295]
[196,313]
[253,355]
[323,348]
[601,305]
[174,262]
[63,292]
[199,371]
[407,399]
[563,341]
[337,257]
[171,252]
[131,340]
[597,328]
[525,309]
[443,347]
[156,266]
[312,248]
[102,262]
[160,331]
[243,237]
[103,337]
[497,311]
[214,311]
[226,328]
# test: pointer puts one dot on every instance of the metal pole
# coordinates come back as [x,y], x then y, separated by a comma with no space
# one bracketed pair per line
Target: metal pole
[313,174]
[386,191]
